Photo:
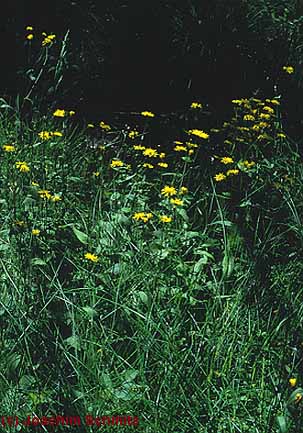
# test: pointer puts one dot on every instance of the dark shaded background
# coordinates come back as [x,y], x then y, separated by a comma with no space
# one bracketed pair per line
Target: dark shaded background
[161,56]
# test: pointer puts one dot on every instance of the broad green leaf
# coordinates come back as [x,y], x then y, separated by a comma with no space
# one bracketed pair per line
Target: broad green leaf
[81,236]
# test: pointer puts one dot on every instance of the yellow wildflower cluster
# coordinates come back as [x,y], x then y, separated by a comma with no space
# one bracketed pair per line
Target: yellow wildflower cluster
[133,134]
[105,126]
[198,133]
[46,135]
[22,166]
[48,39]
[116,163]
[165,219]
[288,69]
[46,195]
[142,216]
[147,114]
[91,257]
[62,113]
[8,148]
[196,105]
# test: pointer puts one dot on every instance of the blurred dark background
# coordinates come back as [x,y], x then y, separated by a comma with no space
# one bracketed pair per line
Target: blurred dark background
[159,55]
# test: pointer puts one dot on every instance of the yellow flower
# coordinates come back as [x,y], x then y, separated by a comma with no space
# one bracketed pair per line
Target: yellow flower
[138,147]
[190,144]
[264,116]
[90,125]
[176,201]
[275,102]
[147,165]
[180,149]
[71,113]
[248,164]
[165,219]
[29,28]
[298,397]
[248,117]
[198,133]
[45,194]
[183,190]
[178,142]
[191,151]
[196,105]
[91,257]
[105,126]
[30,37]
[35,184]
[59,113]
[36,232]
[281,135]
[8,148]
[168,191]
[145,217]
[56,198]
[147,114]
[232,171]
[57,133]
[48,39]
[96,173]
[288,69]
[116,163]
[263,124]
[22,166]
[133,134]
[227,160]
[150,152]
[292,381]
[163,164]
[219,177]
[162,155]
[45,135]
[269,109]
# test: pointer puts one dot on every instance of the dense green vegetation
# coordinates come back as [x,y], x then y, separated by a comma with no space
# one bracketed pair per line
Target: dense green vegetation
[152,261]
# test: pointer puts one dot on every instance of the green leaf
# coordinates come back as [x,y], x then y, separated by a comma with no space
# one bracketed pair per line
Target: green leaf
[90,312]
[143,297]
[282,423]
[81,236]
[38,262]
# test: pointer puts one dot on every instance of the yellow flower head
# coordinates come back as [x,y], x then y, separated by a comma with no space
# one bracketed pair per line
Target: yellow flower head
[90,125]
[196,105]
[30,37]
[133,134]
[147,165]
[150,152]
[22,166]
[165,219]
[96,173]
[35,232]
[104,126]
[48,39]
[198,133]
[138,147]
[162,155]
[227,160]
[219,177]
[180,149]
[183,190]
[248,117]
[59,113]
[269,109]
[29,28]
[168,191]
[8,148]
[91,257]
[56,198]
[71,113]
[292,381]
[45,194]
[288,69]
[298,397]
[248,164]
[142,216]
[116,163]
[163,164]
[176,201]
[147,114]
[45,135]
[233,171]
